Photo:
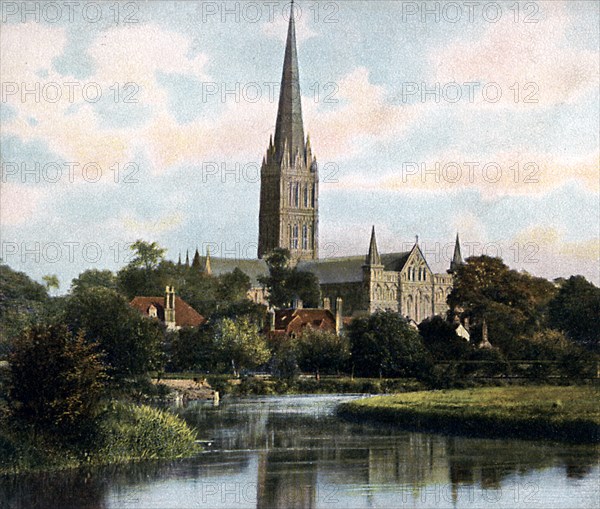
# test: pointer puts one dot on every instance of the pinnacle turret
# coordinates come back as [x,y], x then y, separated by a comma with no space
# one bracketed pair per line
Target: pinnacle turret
[373,257]
[457,257]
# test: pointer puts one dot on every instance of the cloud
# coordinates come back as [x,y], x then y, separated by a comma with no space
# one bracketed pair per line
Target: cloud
[510,173]
[362,116]
[509,52]
[277,28]
[19,204]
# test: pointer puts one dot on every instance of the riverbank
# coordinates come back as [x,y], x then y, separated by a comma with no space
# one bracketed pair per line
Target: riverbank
[126,433]
[570,414]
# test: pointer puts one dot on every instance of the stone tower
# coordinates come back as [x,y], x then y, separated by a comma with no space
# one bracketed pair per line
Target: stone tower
[289,185]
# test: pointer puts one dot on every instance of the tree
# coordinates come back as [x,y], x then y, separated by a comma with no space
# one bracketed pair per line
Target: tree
[233,286]
[284,283]
[147,255]
[51,281]
[383,344]
[130,341]
[193,349]
[240,344]
[56,381]
[439,337]
[22,303]
[322,351]
[94,278]
[512,303]
[576,311]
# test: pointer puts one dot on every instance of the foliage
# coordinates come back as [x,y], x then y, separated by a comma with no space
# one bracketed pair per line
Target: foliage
[284,360]
[126,432]
[147,255]
[563,413]
[233,286]
[193,349]
[240,344]
[284,283]
[56,381]
[512,303]
[576,311]
[322,351]
[94,278]
[51,281]
[22,303]
[384,344]
[131,341]
[142,432]
[441,340]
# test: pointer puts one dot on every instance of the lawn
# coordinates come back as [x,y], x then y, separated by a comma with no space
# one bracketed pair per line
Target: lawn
[561,413]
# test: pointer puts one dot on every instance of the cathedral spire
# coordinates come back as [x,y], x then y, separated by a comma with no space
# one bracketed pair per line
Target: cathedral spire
[289,126]
[373,257]
[457,257]
[187,257]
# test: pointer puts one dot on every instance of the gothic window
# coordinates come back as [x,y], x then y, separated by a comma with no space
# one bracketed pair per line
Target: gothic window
[295,237]
[305,197]
[297,195]
[314,195]
[290,235]
[424,274]
[304,236]
[291,197]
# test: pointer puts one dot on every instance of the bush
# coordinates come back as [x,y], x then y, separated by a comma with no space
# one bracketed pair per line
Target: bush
[143,432]
[56,382]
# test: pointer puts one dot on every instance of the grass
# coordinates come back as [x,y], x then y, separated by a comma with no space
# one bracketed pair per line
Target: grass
[560,413]
[128,432]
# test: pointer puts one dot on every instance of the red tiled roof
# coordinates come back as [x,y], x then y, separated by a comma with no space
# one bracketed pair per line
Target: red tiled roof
[185,315]
[294,320]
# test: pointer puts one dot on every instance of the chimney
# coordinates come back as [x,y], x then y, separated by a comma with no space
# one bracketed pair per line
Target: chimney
[338,315]
[297,303]
[326,303]
[170,308]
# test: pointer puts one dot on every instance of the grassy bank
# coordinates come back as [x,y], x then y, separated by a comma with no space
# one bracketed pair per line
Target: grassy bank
[127,432]
[560,413]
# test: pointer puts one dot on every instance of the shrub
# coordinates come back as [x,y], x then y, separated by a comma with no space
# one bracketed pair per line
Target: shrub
[56,381]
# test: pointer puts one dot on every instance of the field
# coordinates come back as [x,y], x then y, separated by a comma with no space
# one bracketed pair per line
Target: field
[559,413]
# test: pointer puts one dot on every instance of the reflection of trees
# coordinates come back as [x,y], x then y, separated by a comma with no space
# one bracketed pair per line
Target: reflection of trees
[300,452]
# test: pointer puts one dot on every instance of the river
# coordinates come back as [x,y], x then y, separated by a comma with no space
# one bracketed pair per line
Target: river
[292,452]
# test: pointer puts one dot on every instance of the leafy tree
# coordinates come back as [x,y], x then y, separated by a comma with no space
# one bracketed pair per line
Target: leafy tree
[322,351]
[576,311]
[233,286]
[383,344]
[439,336]
[131,341]
[51,282]
[240,344]
[285,283]
[147,255]
[56,381]
[94,278]
[22,303]
[512,303]
[193,349]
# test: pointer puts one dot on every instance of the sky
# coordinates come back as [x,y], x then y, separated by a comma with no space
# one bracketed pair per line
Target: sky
[149,120]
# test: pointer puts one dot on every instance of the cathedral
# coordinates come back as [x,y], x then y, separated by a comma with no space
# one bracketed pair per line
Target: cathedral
[289,218]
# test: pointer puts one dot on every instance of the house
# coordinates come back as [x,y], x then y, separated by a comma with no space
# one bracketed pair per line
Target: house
[171,310]
[292,322]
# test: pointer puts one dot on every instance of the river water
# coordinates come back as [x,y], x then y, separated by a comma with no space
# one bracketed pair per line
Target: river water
[293,452]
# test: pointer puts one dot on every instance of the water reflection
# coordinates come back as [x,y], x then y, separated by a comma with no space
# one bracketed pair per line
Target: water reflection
[292,452]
